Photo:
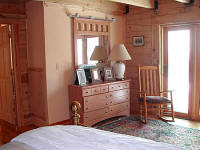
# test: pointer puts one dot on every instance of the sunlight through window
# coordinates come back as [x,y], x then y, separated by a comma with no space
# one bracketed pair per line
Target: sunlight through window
[178,68]
[80,51]
[91,44]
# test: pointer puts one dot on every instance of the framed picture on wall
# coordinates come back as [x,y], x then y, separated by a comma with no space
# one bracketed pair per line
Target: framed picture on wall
[95,74]
[138,40]
[108,74]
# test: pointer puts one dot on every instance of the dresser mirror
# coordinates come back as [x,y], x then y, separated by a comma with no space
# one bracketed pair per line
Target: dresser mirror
[88,34]
[85,45]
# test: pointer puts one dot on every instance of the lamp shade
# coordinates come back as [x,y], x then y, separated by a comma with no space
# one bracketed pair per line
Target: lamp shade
[99,53]
[119,53]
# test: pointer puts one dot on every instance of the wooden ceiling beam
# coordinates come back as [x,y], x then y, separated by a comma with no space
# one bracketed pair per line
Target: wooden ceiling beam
[140,3]
[183,1]
[103,6]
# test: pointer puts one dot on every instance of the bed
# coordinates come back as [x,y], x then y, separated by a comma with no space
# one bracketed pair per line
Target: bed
[73,137]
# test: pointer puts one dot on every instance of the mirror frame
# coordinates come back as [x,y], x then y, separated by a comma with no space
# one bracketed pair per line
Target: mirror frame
[90,27]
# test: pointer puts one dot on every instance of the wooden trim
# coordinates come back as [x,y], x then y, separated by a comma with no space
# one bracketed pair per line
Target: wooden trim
[35,69]
[13,16]
[90,27]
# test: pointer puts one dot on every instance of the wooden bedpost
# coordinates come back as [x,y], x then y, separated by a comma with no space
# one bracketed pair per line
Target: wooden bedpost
[76,106]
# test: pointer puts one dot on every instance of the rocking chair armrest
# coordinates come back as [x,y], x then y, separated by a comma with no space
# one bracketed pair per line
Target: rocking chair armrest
[169,91]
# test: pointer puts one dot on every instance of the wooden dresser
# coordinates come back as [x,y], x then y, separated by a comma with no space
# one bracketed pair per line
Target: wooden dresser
[101,101]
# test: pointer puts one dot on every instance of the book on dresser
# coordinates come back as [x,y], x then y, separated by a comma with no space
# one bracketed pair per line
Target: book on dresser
[101,101]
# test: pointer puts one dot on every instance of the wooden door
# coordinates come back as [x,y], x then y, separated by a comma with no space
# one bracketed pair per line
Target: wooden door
[6,80]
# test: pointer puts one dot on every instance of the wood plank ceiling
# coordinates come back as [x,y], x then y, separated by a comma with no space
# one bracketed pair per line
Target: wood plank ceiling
[113,7]
[140,3]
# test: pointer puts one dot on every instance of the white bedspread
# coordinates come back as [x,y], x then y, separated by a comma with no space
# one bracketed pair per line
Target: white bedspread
[83,138]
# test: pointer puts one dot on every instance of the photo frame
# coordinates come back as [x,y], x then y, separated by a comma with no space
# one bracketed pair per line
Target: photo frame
[95,74]
[108,74]
[138,40]
[81,77]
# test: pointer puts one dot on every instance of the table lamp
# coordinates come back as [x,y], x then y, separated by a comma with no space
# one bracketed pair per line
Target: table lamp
[100,54]
[119,53]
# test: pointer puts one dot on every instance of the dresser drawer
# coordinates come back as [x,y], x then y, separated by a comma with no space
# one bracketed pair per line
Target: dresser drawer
[103,89]
[125,85]
[100,113]
[120,99]
[119,93]
[86,92]
[120,86]
[119,108]
[96,102]
[96,90]
[113,87]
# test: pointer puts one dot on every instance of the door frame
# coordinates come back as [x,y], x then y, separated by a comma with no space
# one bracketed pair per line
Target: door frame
[16,73]
[164,62]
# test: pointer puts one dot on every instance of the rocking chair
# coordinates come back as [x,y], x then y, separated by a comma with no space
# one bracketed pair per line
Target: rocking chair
[151,99]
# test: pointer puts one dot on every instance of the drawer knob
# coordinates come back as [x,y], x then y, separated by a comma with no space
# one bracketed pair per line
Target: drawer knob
[111,95]
[107,103]
[86,108]
[106,96]
[111,102]
[86,92]
[86,101]
[119,86]
[112,87]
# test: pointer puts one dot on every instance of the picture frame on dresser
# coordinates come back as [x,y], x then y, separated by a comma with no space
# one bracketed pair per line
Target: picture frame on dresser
[95,74]
[108,74]
[81,77]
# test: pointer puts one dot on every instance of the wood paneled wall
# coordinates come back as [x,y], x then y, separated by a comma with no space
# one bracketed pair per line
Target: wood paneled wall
[141,21]
[12,7]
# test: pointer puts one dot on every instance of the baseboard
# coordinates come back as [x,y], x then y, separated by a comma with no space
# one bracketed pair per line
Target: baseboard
[38,122]
[64,122]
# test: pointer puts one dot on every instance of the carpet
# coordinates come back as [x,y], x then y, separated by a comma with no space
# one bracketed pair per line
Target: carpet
[157,131]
